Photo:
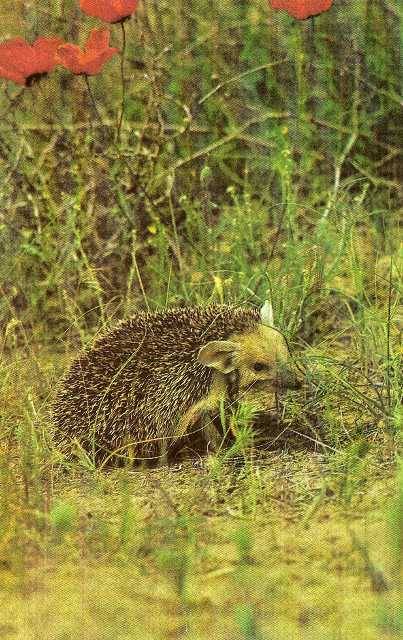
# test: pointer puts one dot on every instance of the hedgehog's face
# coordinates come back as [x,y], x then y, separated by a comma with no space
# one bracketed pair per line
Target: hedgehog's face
[254,366]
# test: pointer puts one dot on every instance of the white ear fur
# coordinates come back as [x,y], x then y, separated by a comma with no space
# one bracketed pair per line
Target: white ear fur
[266,314]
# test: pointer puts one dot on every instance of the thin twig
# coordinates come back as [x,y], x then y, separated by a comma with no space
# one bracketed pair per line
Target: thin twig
[361,134]
[347,148]
[137,270]
[94,104]
[232,136]
[238,76]
[388,324]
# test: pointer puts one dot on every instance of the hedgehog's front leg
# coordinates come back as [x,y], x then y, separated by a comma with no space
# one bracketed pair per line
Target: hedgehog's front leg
[201,422]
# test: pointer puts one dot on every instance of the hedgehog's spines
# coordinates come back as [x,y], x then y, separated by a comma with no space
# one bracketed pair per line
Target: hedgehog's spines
[140,375]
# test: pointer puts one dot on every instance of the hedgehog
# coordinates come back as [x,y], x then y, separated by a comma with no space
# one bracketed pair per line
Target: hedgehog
[160,377]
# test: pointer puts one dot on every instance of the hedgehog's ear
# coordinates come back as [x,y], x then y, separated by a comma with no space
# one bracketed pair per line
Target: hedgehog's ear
[219,354]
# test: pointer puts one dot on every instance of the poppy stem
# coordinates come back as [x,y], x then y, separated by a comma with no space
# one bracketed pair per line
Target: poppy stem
[94,104]
[122,75]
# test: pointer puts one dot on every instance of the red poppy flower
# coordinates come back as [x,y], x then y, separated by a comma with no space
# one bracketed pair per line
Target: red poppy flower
[109,10]
[22,62]
[301,9]
[90,60]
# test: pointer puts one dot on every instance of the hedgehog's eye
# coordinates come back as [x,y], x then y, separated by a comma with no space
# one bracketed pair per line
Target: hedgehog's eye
[259,366]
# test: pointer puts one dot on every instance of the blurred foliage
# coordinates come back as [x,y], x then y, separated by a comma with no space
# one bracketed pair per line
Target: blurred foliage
[252,144]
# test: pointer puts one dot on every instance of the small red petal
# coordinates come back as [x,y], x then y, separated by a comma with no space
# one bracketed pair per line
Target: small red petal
[11,74]
[17,53]
[70,56]
[45,50]
[98,39]
[95,60]
[90,60]
[109,10]
[301,9]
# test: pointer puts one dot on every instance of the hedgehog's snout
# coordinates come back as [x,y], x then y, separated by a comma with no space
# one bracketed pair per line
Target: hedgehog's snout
[288,379]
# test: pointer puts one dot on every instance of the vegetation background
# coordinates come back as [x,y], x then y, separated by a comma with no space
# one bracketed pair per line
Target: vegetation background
[257,153]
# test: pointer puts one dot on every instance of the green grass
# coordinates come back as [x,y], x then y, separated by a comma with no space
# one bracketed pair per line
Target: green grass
[298,538]
[257,158]
[143,554]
